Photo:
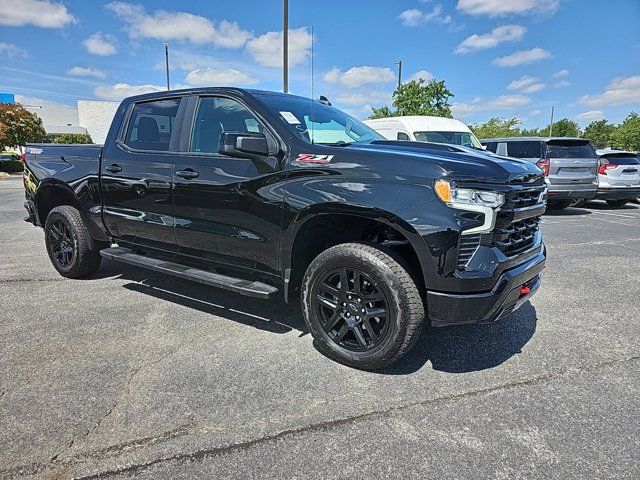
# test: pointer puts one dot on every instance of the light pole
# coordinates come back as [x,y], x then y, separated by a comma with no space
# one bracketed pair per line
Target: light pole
[166,61]
[551,124]
[399,63]
[285,46]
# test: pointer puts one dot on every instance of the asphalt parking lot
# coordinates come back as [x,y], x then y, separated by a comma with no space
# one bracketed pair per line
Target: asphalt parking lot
[137,374]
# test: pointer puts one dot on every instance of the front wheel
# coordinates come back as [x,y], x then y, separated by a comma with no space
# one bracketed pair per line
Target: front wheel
[68,243]
[361,305]
[617,203]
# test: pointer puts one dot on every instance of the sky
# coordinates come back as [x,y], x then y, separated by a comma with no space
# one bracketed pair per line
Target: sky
[508,58]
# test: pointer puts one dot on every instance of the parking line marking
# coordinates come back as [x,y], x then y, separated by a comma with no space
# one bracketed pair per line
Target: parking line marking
[613,214]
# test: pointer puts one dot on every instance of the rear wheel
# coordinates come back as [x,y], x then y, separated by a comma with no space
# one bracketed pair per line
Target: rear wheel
[67,242]
[361,305]
[617,203]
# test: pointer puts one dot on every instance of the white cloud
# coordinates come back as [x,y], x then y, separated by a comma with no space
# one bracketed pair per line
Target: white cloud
[590,116]
[181,26]
[561,73]
[51,113]
[495,105]
[534,113]
[219,77]
[498,8]
[86,72]
[40,13]
[358,76]
[119,91]
[11,50]
[505,33]
[561,84]
[376,97]
[526,84]
[620,91]
[522,82]
[100,44]
[533,88]
[413,17]
[267,48]
[422,74]
[522,57]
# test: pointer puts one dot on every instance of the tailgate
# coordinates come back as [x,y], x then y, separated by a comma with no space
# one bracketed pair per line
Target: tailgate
[571,161]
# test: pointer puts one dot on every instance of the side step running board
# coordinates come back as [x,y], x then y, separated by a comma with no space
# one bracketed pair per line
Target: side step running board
[237,285]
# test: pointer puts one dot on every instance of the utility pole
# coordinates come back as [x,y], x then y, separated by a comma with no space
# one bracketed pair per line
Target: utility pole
[285,46]
[399,63]
[166,61]
[551,124]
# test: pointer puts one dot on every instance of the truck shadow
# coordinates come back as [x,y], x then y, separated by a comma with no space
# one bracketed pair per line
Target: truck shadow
[457,349]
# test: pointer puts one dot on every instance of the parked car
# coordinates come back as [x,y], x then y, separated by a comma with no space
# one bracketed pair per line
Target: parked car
[423,128]
[261,192]
[569,164]
[618,176]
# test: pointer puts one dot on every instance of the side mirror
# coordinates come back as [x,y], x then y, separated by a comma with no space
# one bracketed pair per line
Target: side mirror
[242,144]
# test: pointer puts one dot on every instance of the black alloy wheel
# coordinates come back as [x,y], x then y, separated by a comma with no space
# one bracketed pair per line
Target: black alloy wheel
[62,244]
[353,309]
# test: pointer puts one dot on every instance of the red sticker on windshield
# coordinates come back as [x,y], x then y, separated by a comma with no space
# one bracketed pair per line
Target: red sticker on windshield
[313,158]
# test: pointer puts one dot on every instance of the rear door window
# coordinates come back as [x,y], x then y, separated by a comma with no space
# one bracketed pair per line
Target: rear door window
[151,124]
[570,149]
[525,149]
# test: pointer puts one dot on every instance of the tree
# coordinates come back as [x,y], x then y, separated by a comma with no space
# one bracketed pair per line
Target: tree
[418,98]
[496,127]
[599,133]
[627,135]
[73,138]
[382,112]
[19,126]
[562,128]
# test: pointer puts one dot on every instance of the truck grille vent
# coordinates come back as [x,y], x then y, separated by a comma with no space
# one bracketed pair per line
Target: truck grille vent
[523,198]
[466,248]
[517,236]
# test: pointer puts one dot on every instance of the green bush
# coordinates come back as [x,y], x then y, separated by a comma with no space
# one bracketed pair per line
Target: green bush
[10,166]
[70,138]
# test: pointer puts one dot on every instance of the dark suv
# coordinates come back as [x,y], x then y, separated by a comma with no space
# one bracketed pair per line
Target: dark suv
[569,164]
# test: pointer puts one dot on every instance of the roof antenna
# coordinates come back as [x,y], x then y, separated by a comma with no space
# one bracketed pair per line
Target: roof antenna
[312,101]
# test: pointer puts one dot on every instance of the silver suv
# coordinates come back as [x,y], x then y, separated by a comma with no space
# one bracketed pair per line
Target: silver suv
[569,164]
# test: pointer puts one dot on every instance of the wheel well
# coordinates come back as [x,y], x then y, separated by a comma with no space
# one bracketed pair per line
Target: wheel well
[325,231]
[51,197]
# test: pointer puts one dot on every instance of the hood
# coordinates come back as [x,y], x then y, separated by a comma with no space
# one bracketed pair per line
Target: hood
[460,163]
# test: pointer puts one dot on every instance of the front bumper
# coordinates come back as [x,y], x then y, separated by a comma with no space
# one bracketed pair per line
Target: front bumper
[619,193]
[456,309]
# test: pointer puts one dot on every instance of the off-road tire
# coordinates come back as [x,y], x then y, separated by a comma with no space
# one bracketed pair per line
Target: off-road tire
[84,261]
[394,280]
[617,203]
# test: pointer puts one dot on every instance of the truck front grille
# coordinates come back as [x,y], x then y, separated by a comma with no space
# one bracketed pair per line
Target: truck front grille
[517,236]
[523,198]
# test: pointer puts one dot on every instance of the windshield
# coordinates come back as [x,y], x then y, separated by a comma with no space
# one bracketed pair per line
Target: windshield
[319,123]
[465,139]
[570,149]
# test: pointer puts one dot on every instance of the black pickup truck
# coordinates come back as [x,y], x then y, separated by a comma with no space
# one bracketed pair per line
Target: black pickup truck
[258,192]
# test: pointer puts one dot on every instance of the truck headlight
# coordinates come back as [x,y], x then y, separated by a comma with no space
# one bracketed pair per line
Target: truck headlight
[471,200]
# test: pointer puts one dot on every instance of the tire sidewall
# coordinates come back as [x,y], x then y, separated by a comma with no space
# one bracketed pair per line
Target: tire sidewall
[59,215]
[385,280]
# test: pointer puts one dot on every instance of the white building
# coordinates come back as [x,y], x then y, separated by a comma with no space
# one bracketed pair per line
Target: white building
[96,116]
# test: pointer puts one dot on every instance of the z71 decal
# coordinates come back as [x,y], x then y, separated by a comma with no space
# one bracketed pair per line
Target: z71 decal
[314,159]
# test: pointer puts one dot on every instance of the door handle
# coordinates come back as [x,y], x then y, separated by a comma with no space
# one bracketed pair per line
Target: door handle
[187,174]
[113,168]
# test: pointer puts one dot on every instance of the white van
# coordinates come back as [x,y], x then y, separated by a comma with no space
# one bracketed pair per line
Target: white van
[421,128]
